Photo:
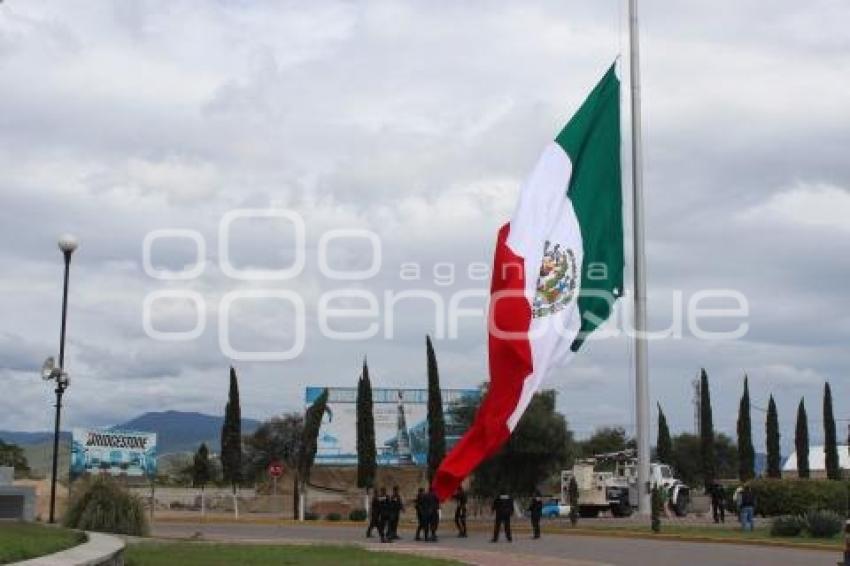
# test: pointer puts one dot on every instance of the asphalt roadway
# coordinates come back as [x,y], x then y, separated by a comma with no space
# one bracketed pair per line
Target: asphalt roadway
[550,549]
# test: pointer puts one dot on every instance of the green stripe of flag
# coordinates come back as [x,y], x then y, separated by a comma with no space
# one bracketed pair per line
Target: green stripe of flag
[592,140]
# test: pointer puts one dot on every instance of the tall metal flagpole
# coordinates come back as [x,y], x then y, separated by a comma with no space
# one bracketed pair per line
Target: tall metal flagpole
[641,365]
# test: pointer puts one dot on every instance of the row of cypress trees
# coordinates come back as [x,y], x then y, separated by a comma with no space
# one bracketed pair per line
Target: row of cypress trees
[231,443]
[830,440]
[366,449]
[231,432]
[746,452]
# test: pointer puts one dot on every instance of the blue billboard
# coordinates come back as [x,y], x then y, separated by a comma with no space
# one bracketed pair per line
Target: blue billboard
[113,452]
[401,425]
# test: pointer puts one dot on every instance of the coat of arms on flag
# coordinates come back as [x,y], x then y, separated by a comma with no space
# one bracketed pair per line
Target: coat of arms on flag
[557,280]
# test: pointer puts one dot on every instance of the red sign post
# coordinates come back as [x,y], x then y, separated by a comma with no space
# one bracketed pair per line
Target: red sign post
[275,470]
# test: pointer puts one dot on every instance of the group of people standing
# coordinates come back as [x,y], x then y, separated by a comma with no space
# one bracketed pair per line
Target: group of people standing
[745,501]
[387,509]
[385,514]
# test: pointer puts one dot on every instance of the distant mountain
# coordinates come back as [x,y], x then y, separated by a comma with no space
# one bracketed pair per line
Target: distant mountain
[176,431]
[760,464]
[179,431]
[28,438]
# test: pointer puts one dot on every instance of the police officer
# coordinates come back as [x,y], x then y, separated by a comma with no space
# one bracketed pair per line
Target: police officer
[460,512]
[718,496]
[432,515]
[373,515]
[396,507]
[535,511]
[503,508]
[383,512]
[421,525]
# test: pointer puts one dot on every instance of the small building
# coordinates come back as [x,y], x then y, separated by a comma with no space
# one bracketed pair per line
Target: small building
[16,501]
[817,462]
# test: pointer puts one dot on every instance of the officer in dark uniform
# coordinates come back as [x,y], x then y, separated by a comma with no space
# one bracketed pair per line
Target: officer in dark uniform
[460,512]
[396,507]
[420,514]
[717,502]
[383,511]
[503,508]
[373,515]
[535,511]
[432,515]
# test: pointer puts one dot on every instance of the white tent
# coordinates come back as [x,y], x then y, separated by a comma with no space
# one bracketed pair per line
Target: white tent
[817,459]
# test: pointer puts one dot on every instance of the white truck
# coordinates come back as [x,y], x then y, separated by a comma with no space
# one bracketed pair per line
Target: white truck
[616,491]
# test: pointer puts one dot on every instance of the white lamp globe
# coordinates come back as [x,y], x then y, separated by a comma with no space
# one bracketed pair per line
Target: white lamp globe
[68,243]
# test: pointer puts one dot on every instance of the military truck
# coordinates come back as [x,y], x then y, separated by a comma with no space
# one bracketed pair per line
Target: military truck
[615,490]
[597,490]
[660,475]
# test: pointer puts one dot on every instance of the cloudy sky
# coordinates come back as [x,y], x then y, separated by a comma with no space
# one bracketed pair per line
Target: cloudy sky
[415,121]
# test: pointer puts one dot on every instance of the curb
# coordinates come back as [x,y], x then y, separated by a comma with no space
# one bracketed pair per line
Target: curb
[99,550]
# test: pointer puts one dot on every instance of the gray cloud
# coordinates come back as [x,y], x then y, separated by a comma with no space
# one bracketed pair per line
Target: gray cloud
[416,122]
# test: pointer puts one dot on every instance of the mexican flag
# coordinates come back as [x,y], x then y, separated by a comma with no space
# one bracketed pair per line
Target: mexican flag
[557,271]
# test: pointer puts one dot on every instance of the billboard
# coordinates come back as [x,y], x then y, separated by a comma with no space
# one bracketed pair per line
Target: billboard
[401,426]
[113,452]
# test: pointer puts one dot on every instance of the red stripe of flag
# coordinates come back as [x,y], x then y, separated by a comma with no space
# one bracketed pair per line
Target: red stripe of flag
[510,364]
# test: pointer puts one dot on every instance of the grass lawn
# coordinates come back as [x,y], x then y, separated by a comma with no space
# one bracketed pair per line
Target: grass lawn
[20,541]
[205,554]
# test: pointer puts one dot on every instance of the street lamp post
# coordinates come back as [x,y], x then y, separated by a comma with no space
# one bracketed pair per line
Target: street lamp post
[67,244]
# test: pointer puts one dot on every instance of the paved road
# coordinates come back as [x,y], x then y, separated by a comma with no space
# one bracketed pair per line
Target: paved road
[584,549]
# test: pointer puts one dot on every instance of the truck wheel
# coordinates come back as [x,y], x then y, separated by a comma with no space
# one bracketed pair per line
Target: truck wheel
[622,509]
[681,507]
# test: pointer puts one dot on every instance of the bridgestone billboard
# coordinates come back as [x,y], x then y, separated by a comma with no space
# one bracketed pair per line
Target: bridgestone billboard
[401,426]
[113,452]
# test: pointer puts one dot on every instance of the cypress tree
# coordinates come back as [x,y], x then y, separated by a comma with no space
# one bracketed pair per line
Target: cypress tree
[707,452]
[201,472]
[801,441]
[436,421]
[664,445]
[310,438]
[774,457]
[833,469]
[746,453]
[231,435]
[366,451]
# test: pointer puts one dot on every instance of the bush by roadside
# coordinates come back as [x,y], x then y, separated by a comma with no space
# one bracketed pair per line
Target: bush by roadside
[787,526]
[775,497]
[358,515]
[101,504]
[824,524]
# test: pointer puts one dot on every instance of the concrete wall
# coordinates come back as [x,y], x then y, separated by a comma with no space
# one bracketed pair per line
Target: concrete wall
[17,503]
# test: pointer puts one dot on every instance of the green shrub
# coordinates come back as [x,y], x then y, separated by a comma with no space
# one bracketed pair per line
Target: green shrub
[101,504]
[787,526]
[358,515]
[333,517]
[776,497]
[310,516]
[823,523]
[656,508]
